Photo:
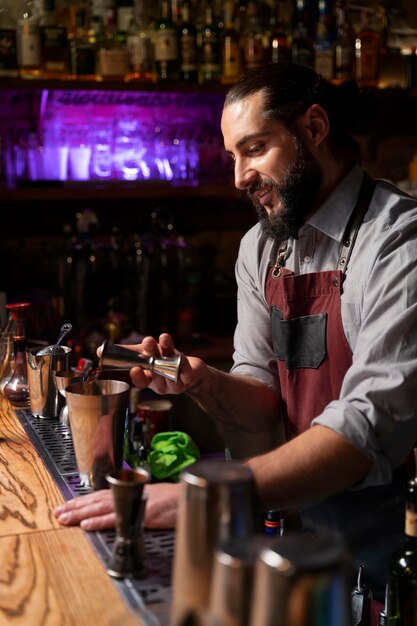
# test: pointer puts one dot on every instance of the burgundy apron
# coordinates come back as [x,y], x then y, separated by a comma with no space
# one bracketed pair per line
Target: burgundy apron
[310,345]
[313,356]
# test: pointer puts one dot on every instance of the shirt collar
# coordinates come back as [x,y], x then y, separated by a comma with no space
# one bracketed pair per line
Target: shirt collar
[332,216]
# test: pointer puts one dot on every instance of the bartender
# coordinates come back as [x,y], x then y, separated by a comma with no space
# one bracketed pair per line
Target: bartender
[326,338]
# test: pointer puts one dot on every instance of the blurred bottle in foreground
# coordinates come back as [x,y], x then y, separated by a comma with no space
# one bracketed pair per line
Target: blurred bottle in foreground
[402,568]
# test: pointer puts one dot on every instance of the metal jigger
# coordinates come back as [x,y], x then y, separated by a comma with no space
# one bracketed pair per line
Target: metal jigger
[118,357]
[128,556]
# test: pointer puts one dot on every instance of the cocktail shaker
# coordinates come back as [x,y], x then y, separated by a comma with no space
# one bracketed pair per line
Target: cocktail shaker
[218,500]
[302,580]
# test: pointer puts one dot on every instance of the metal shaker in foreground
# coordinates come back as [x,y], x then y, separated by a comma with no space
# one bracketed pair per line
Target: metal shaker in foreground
[114,356]
[302,580]
[218,500]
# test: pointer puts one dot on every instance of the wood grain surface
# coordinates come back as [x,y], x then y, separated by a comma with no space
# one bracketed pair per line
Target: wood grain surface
[49,575]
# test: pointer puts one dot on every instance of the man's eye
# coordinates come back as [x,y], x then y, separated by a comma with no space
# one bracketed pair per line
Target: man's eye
[255,149]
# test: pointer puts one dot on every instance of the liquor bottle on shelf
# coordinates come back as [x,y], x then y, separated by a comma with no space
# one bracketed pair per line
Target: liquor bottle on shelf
[54,42]
[8,48]
[324,42]
[279,45]
[344,49]
[17,388]
[210,67]
[188,46]
[402,568]
[96,26]
[367,48]
[82,49]
[305,12]
[166,41]
[28,39]
[302,47]
[231,50]
[125,12]
[139,46]
[253,38]
[112,57]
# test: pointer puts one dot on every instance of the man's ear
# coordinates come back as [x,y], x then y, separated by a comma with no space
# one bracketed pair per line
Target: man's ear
[316,124]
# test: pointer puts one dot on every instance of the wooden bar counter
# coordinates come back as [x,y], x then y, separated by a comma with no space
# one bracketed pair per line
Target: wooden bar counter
[49,575]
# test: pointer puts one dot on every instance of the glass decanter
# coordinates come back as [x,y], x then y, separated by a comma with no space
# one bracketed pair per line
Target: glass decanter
[17,388]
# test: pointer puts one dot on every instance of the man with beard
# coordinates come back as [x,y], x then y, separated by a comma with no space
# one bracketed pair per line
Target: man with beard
[326,335]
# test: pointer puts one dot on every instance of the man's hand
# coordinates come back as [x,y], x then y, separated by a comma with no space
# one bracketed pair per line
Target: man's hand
[95,511]
[190,373]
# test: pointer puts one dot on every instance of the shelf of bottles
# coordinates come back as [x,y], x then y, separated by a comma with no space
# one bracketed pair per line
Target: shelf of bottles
[123,91]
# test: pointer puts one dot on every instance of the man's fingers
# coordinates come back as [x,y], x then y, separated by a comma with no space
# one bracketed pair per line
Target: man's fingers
[99,523]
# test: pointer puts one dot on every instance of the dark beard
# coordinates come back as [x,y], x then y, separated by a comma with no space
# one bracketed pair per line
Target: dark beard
[298,192]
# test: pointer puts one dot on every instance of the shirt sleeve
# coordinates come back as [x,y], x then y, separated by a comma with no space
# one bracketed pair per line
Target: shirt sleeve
[377,408]
[253,352]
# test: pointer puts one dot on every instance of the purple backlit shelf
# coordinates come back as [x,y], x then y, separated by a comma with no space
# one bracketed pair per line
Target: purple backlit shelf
[111,138]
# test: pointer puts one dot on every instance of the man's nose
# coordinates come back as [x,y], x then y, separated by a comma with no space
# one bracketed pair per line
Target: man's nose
[244,176]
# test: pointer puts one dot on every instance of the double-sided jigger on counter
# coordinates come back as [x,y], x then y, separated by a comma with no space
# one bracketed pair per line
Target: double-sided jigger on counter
[128,556]
[118,357]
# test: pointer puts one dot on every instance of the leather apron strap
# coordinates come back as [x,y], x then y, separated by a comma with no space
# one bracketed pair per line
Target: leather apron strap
[349,237]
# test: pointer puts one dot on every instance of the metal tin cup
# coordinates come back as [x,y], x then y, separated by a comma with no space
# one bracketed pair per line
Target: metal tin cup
[302,580]
[218,500]
[45,399]
[97,413]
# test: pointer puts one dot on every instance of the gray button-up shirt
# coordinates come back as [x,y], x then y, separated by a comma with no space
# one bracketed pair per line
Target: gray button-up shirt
[377,407]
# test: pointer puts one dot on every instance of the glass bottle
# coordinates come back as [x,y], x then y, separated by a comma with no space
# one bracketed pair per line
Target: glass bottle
[402,568]
[28,40]
[279,44]
[302,48]
[139,46]
[188,46]
[54,42]
[344,49]
[209,70]
[112,56]
[166,46]
[17,388]
[253,38]
[232,58]
[324,43]
[8,39]
[125,12]
[82,49]
[367,47]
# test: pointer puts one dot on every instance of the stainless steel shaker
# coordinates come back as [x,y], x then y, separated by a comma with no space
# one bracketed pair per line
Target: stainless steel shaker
[232,578]
[302,580]
[218,500]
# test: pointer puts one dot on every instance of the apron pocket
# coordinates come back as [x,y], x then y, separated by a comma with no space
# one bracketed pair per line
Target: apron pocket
[300,342]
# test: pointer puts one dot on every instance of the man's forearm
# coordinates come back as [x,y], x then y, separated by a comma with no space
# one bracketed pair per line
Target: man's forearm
[311,467]
[237,400]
